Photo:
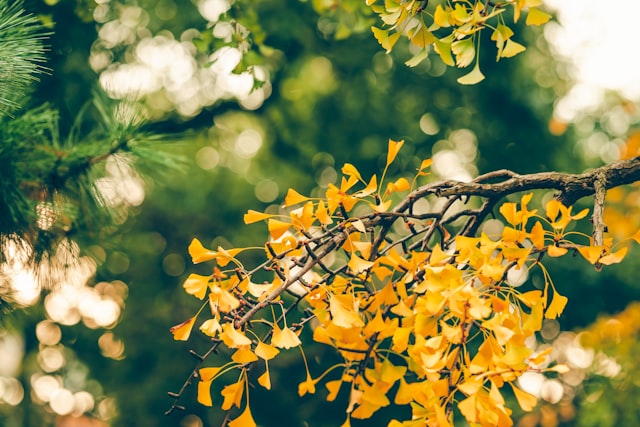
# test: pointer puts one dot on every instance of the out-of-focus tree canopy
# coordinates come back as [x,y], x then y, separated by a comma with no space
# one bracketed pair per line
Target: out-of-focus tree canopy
[264,96]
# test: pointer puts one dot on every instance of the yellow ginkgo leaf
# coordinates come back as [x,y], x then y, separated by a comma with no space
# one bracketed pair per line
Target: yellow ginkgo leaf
[580,214]
[400,184]
[405,393]
[475,76]
[322,213]
[460,14]
[467,408]
[244,356]
[232,394]
[209,374]
[221,300]
[257,290]
[358,265]
[613,258]
[591,253]
[343,311]
[530,298]
[442,418]
[277,228]
[254,216]
[400,339]
[511,49]
[371,188]
[265,379]
[358,225]
[501,32]
[334,388]
[471,385]
[204,393]
[199,253]
[441,17]
[424,165]
[350,170]
[552,209]
[509,211]
[293,198]
[307,386]
[422,38]
[386,41]
[555,309]
[266,351]
[503,334]
[394,148]
[537,235]
[537,17]
[363,247]
[287,244]
[382,207]
[303,218]
[526,400]
[210,327]
[196,285]
[533,322]
[556,251]
[284,338]
[244,420]
[182,331]
[233,338]
[225,256]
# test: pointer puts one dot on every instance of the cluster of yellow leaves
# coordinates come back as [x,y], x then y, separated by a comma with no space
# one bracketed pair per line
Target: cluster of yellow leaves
[452,28]
[431,328]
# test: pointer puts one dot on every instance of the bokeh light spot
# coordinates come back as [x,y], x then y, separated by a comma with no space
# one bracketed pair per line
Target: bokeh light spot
[173,264]
[267,190]
[61,401]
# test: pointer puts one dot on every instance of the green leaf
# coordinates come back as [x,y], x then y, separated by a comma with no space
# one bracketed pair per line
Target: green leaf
[386,41]
[537,17]
[512,49]
[443,48]
[465,52]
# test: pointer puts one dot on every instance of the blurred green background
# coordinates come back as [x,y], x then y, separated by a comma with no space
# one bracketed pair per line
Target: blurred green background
[98,352]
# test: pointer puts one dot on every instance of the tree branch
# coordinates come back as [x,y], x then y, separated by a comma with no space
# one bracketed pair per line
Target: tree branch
[570,187]
[599,186]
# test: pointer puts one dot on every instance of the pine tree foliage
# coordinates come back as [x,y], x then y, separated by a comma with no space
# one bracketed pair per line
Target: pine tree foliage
[48,191]
[22,52]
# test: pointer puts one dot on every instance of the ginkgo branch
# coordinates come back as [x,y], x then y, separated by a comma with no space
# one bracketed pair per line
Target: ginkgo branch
[393,265]
[570,187]
[599,186]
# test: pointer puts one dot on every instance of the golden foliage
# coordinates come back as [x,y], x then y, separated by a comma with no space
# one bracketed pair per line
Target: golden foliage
[428,318]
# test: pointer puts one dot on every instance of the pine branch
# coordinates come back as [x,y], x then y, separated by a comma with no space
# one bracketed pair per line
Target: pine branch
[48,192]
[22,53]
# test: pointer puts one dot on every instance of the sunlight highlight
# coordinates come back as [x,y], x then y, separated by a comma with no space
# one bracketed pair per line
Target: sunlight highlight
[599,38]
